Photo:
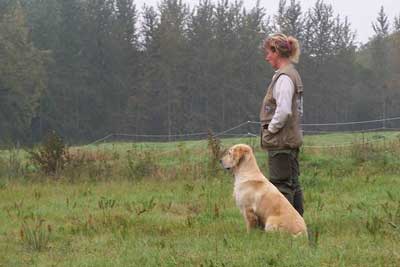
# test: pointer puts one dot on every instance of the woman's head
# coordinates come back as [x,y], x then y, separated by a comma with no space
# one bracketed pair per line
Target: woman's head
[284,46]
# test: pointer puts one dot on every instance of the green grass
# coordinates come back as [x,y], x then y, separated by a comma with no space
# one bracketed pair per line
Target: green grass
[183,214]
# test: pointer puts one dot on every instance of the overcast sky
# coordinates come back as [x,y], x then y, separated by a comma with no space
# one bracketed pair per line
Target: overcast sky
[361,13]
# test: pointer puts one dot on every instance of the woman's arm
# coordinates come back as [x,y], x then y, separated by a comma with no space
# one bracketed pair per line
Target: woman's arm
[283,94]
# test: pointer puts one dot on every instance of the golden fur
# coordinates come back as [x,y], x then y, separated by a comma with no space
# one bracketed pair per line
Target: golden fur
[260,202]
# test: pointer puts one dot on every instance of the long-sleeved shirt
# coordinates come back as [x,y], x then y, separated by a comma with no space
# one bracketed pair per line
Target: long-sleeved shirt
[283,94]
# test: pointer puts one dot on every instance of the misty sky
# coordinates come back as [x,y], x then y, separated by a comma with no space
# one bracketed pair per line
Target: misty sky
[360,12]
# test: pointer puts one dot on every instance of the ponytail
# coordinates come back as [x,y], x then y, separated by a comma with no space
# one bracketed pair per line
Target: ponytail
[286,46]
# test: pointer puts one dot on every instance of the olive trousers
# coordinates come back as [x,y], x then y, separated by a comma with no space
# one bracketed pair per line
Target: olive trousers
[284,173]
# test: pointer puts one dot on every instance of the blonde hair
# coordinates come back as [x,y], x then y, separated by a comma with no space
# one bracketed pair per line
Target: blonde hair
[286,46]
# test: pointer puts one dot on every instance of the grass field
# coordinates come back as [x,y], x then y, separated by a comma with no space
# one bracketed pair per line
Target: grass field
[167,204]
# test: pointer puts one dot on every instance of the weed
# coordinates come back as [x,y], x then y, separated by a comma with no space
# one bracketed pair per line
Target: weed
[36,235]
[188,188]
[216,211]
[146,206]
[214,147]
[374,225]
[106,205]
[3,185]
[73,205]
[15,166]
[320,204]
[37,195]
[18,208]
[86,227]
[314,232]
[189,221]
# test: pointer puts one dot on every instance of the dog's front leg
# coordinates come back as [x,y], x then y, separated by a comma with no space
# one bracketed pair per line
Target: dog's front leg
[250,218]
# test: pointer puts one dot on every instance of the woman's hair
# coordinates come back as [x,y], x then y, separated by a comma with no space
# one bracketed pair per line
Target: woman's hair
[286,46]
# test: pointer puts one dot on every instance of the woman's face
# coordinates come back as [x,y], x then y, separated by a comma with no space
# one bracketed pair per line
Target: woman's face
[272,57]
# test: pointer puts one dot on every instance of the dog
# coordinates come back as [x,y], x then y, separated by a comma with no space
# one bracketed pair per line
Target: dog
[260,202]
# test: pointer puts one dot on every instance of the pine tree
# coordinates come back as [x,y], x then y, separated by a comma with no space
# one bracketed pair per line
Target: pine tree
[289,19]
[381,26]
[396,24]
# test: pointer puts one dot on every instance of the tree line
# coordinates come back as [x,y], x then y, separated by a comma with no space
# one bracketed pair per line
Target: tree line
[87,68]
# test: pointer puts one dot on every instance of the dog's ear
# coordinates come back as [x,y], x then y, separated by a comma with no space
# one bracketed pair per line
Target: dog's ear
[240,153]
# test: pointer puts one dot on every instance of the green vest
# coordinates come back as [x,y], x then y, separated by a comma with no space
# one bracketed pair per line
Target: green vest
[290,136]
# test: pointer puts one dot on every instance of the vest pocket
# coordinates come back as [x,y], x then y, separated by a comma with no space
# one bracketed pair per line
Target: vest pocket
[268,139]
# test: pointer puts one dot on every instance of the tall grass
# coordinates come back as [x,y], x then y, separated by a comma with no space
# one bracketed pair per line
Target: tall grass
[198,159]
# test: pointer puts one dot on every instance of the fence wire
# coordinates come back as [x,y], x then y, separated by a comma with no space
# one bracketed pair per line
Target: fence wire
[251,129]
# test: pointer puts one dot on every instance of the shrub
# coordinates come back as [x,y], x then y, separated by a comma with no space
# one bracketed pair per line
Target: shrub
[140,165]
[51,156]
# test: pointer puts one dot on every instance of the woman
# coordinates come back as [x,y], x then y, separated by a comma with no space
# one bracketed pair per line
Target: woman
[280,116]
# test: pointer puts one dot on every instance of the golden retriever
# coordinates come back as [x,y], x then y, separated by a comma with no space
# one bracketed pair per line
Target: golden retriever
[260,202]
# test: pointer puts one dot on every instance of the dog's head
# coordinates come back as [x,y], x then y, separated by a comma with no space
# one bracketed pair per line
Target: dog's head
[234,156]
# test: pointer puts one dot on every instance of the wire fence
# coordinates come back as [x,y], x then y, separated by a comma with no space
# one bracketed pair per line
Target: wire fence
[251,129]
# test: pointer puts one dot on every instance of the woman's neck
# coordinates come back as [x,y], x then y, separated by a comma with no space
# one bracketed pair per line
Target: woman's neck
[283,62]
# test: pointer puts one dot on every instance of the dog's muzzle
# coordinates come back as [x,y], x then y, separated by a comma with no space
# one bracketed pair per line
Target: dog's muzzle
[222,164]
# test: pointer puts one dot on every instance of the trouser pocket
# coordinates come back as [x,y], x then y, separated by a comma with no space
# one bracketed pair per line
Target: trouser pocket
[280,166]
